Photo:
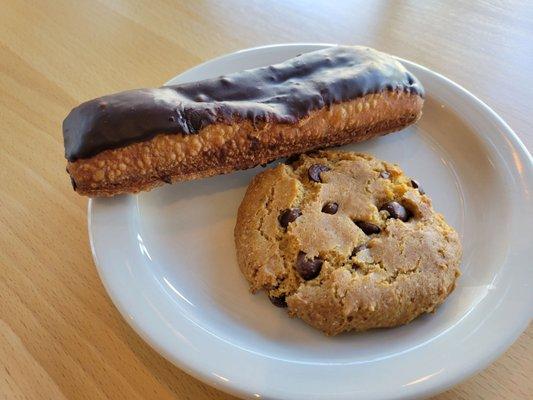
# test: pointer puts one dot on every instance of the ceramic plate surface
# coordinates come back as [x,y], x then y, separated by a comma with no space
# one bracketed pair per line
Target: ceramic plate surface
[167,259]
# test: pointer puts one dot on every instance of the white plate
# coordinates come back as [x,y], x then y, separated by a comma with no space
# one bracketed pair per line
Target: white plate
[167,260]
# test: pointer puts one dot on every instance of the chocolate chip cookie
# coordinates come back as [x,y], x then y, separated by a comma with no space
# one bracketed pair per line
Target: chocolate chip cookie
[345,242]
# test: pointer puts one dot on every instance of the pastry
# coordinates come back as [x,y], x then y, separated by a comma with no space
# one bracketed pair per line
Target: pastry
[346,242]
[139,139]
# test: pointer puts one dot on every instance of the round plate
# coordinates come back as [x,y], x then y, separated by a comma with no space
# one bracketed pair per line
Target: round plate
[167,259]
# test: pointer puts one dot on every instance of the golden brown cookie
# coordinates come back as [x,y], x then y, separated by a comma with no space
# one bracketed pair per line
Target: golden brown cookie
[346,242]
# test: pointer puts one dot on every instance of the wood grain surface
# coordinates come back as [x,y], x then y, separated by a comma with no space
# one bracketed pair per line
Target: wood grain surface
[60,335]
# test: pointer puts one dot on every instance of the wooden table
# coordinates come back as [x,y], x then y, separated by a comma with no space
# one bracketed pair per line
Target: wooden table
[60,335]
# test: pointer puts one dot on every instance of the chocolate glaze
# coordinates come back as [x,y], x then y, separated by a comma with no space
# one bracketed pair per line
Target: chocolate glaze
[281,93]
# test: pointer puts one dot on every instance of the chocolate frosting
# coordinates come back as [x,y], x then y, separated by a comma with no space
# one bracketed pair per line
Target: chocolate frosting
[281,93]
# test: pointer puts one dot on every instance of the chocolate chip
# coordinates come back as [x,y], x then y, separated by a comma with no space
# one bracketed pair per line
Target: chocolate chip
[357,249]
[396,210]
[385,174]
[166,179]
[278,301]
[315,170]
[330,208]
[368,228]
[416,185]
[308,269]
[289,215]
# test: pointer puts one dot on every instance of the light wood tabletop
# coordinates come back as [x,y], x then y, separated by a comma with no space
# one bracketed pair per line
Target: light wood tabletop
[60,335]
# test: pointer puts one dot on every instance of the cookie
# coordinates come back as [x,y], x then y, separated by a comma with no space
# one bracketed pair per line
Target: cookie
[345,242]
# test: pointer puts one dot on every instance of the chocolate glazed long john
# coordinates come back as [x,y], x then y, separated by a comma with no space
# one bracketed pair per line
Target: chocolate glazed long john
[139,139]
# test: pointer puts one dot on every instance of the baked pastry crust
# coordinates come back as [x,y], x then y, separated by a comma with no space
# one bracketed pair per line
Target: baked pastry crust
[220,148]
[354,278]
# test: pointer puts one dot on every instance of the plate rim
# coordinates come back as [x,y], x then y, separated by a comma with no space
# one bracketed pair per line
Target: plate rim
[234,387]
